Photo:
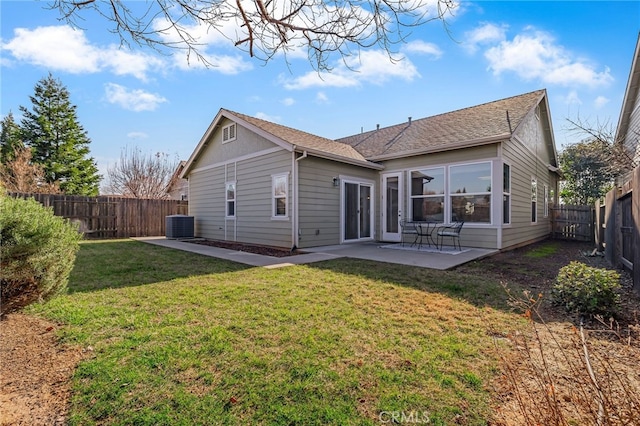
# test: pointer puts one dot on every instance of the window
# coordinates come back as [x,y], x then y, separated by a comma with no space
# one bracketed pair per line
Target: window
[427,194]
[470,192]
[280,190]
[229,133]
[231,199]
[506,194]
[546,200]
[534,200]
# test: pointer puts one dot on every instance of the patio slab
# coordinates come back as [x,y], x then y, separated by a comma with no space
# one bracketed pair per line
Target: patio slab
[381,252]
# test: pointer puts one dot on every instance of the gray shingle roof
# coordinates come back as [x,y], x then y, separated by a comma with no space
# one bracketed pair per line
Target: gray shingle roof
[465,126]
[302,139]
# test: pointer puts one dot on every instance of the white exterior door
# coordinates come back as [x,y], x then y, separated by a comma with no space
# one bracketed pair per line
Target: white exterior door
[392,213]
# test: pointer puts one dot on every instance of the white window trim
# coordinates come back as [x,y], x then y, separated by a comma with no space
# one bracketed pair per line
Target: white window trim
[508,193]
[449,194]
[274,198]
[230,128]
[227,200]
[546,200]
[409,213]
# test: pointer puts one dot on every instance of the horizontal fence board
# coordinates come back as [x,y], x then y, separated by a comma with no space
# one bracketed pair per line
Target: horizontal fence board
[112,217]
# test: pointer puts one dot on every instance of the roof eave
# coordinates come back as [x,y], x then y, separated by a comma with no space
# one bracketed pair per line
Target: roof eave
[333,157]
[460,145]
[630,94]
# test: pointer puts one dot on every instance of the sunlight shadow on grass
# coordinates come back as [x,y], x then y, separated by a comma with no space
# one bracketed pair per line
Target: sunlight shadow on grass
[127,263]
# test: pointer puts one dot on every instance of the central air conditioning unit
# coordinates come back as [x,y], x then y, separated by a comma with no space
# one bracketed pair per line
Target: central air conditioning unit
[179,226]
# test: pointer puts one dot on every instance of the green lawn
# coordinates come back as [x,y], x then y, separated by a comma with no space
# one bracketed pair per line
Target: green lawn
[182,339]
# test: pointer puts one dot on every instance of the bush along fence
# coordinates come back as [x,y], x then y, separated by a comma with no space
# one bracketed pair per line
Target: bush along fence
[618,226]
[110,216]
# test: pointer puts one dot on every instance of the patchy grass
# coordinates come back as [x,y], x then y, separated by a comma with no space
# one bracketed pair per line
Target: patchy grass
[543,250]
[182,339]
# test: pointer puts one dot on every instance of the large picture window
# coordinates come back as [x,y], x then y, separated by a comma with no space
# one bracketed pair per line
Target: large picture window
[470,192]
[427,194]
[231,199]
[280,190]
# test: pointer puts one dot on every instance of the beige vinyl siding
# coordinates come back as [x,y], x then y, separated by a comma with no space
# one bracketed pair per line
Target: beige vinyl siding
[246,143]
[253,222]
[207,203]
[319,200]
[443,158]
[254,201]
[632,138]
[525,163]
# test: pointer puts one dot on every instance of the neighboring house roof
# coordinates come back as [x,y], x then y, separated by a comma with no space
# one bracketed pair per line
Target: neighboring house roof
[630,97]
[477,125]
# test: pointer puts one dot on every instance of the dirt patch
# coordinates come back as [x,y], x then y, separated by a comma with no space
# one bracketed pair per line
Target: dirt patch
[35,372]
[250,248]
[545,379]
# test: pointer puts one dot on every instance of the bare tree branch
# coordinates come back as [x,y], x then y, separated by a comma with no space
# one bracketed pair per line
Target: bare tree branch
[264,28]
[140,175]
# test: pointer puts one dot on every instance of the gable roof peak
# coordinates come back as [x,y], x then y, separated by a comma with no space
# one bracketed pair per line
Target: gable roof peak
[484,122]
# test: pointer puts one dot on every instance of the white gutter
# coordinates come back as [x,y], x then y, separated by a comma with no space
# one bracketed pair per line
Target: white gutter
[294,202]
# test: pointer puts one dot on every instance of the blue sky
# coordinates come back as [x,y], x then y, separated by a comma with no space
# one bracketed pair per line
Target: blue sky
[580,52]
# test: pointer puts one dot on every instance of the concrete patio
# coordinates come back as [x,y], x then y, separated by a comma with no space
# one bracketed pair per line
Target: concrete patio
[426,257]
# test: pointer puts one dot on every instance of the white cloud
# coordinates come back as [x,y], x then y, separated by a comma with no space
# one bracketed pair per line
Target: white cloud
[424,48]
[486,34]
[322,98]
[288,101]
[61,48]
[137,135]
[267,117]
[572,98]
[601,101]
[133,100]
[534,55]
[372,66]
[225,64]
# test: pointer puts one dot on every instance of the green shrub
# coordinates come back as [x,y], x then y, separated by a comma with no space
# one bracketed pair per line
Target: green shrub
[588,290]
[37,253]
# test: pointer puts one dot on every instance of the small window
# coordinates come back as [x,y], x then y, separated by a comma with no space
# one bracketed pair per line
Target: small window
[506,194]
[231,199]
[534,200]
[229,133]
[280,192]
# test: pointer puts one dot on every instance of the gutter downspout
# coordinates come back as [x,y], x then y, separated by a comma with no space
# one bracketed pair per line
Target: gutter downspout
[295,217]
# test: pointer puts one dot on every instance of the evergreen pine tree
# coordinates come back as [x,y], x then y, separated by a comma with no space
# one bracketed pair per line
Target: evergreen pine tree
[10,140]
[58,141]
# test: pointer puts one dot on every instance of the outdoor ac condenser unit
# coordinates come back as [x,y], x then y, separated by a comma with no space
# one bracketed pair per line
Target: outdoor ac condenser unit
[179,226]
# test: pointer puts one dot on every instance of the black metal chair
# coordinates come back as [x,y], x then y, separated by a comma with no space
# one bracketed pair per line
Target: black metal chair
[451,231]
[408,228]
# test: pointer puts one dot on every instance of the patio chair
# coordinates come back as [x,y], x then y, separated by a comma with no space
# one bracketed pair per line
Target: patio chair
[408,228]
[452,231]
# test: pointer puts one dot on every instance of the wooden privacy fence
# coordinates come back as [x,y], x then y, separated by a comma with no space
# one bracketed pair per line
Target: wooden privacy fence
[619,226]
[112,217]
[573,222]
